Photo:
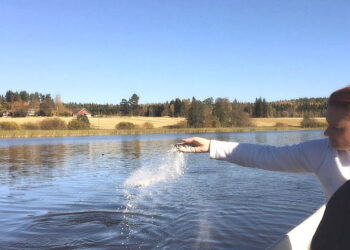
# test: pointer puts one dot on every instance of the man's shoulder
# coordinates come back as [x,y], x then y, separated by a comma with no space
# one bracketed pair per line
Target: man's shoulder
[317,144]
[323,141]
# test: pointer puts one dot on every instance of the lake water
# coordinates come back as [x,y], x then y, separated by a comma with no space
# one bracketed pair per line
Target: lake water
[136,192]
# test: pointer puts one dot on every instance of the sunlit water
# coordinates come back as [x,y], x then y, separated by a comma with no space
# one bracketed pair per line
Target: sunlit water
[137,192]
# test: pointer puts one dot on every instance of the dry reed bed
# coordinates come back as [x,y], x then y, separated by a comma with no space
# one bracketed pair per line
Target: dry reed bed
[288,121]
[96,132]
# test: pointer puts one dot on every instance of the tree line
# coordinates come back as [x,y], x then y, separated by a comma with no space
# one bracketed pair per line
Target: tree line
[220,112]
[18,103]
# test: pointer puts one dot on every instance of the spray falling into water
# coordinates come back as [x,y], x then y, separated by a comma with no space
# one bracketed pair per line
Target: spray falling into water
[171,168]
[142,184]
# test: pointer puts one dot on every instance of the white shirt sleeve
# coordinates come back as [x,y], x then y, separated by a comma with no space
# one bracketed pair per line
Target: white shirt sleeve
[298,158]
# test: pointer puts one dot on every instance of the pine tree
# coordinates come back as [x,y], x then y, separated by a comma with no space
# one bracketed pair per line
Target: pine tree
[134,104]
[125,107]
[195,116]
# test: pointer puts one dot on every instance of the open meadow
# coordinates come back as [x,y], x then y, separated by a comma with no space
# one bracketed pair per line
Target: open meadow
[105,122]
[158,122]
[287,121]
[106,126]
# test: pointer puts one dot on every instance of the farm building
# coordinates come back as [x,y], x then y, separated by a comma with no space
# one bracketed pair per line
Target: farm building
[7,114]
[83,111]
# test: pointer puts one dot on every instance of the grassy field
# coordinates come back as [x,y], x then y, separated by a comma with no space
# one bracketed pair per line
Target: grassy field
[106,122]
[106,126]
[158,122]
[291,122]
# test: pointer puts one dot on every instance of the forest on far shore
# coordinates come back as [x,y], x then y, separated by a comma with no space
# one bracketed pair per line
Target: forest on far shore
[210,112]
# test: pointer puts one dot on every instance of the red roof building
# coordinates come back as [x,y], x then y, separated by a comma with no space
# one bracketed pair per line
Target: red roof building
[83,111]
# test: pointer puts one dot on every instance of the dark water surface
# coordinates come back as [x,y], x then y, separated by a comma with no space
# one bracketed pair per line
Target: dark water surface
[134,192]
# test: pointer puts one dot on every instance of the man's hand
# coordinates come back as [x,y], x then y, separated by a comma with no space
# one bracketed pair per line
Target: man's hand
[194,145]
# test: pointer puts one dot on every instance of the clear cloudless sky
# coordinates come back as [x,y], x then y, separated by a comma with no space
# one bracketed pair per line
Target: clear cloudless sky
[104,50]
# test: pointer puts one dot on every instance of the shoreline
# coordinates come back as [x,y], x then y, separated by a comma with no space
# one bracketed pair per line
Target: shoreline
[9,134]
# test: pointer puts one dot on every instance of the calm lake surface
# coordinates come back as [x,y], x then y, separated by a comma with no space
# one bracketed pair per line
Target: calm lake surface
[136,192]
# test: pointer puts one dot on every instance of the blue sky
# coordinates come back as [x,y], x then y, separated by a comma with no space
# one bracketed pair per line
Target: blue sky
[102,51]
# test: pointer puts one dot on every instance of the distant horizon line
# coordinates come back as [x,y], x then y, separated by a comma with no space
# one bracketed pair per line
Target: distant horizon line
[157,102]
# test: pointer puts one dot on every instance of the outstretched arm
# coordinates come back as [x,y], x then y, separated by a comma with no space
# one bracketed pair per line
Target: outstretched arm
[303,157]
[194,145]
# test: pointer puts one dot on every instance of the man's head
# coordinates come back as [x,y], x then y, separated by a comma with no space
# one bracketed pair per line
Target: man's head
[338,118]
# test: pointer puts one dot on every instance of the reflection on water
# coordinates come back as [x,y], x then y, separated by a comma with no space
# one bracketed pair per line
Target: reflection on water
[30,161]
[131,149]
[132,192]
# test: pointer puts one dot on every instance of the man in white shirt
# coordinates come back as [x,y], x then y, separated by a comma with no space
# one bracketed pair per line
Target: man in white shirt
[328,159]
